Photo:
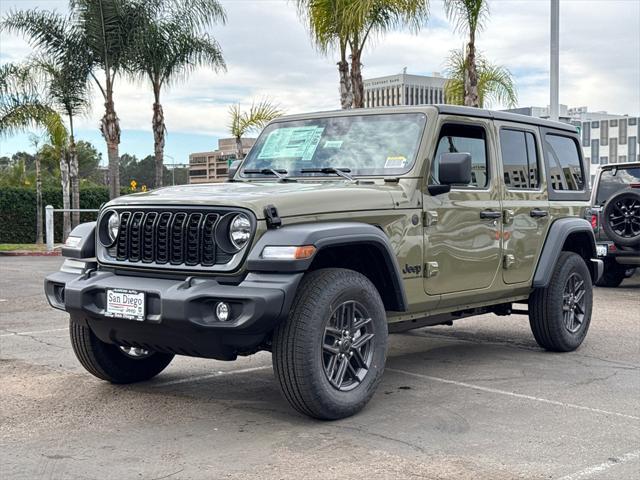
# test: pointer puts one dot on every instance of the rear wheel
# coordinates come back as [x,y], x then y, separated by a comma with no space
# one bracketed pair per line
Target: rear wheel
[560,313]
[114,363]
[613,275]
[329,355]
[622,218]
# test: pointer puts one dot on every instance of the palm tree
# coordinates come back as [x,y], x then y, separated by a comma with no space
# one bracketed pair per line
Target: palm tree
[257,117]
[469,17]
[324,22]
[168,48]
[67,90]
[367,18]
[23,106]
[108,28]
[495,83]
[35,141]
[351,24]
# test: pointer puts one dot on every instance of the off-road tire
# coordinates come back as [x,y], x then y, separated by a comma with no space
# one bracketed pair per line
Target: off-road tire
[298,361]
[624,202]
[613,275]
[107,362]
[546,306]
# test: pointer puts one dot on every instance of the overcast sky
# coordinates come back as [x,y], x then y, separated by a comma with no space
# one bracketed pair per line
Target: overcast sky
[269,54]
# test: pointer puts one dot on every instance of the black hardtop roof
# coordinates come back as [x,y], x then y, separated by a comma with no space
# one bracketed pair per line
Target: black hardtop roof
[505,116]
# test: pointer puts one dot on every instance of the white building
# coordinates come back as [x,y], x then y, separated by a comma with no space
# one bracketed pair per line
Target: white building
[404,89]
[606,138]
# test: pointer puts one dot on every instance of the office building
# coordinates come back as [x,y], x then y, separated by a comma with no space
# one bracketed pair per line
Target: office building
[605,137]
[212,167]
[404,89]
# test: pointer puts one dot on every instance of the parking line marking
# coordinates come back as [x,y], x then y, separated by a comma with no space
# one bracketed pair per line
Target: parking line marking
[612,462]
[210,375]
[14,334]
[513,394]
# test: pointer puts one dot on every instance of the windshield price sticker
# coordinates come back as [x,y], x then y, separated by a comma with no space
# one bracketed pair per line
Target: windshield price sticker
[395,162]
[295,142]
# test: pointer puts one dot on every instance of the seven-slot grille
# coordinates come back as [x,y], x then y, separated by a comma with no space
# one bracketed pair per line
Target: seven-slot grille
[168,237]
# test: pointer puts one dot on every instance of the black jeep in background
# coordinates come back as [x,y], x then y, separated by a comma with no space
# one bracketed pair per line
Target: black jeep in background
[615,218]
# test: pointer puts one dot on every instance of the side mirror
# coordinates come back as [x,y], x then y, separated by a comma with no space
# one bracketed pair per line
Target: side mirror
[233,168]
[453,169]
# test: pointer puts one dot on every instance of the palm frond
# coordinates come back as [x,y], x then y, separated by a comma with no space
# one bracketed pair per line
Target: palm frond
[259,114]
[495,82]
[44,30]
[467,15]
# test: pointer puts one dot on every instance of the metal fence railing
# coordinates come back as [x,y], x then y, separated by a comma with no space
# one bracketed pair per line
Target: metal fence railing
[49,221]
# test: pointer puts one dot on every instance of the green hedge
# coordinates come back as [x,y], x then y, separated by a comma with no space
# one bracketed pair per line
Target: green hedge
[18,211]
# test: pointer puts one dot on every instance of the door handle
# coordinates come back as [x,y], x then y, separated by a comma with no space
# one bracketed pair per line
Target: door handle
[537,213]
[490,214]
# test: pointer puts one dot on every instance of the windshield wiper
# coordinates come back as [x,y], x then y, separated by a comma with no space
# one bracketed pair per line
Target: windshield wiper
[280,173]
[342,172]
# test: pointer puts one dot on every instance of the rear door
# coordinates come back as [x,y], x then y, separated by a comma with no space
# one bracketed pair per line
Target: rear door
[524,200]
[462,227]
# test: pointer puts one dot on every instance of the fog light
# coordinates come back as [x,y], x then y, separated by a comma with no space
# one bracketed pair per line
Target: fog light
[222,311]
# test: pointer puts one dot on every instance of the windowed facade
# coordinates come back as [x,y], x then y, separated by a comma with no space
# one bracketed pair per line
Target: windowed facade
[519,159]
[586,134]
[622,132]
[613,150]
[604,133]
[595,151]
[403,89]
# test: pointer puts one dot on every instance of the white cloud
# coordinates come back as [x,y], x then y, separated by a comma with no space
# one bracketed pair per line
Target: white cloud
[269,54]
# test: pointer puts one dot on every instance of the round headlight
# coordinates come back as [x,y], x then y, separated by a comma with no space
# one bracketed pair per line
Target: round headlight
[240,231]
[113,226]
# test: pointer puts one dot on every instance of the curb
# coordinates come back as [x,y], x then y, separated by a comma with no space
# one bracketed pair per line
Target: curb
[27,253]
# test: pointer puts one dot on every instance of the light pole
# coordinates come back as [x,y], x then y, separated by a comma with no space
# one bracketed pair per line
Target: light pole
[554,106]
[173,170]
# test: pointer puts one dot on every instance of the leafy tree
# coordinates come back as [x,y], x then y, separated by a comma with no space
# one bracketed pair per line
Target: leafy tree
[495,83]
[351,24]
[241,123]
[169,47]
[469,17]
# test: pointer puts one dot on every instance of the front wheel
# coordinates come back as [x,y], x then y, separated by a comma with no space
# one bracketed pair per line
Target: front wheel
[114,363]
[329,354]
[560,313]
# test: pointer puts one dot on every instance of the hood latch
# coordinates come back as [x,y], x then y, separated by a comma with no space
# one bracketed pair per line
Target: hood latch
[271,216]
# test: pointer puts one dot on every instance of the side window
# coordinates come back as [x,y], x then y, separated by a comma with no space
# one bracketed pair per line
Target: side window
[519,159]
[464,139]
[565,167]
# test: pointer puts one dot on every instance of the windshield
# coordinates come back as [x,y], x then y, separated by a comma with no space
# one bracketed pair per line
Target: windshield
[614,180]
[384,144]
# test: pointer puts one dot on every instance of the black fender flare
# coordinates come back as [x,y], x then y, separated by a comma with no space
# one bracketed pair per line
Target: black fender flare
[556,237]
[85,247]
[325,235]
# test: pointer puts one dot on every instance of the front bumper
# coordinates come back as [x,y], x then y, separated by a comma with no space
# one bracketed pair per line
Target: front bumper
[179,313]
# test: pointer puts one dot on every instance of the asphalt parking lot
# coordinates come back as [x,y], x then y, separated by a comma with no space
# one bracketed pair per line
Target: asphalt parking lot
[478,400]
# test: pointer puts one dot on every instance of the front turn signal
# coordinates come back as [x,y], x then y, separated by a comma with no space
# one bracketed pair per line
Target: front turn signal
[288,252]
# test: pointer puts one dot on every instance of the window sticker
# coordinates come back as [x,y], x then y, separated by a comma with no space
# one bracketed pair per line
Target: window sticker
[395,162]
[294,142]
[333,144]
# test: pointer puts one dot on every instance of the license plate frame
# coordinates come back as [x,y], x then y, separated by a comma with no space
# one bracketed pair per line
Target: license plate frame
[126,304]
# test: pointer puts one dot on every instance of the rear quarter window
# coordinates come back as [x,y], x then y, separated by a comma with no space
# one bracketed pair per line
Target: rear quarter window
[564,163]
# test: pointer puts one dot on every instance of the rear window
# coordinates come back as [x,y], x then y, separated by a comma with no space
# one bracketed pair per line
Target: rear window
[565,167]
[614,180]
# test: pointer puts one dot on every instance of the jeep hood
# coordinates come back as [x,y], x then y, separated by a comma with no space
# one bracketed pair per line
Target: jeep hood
[291,199]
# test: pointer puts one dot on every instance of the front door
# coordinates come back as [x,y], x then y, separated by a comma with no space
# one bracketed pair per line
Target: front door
[462,227]
[525,204]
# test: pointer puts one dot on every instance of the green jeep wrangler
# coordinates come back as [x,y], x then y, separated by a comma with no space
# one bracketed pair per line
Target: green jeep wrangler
[336,229]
